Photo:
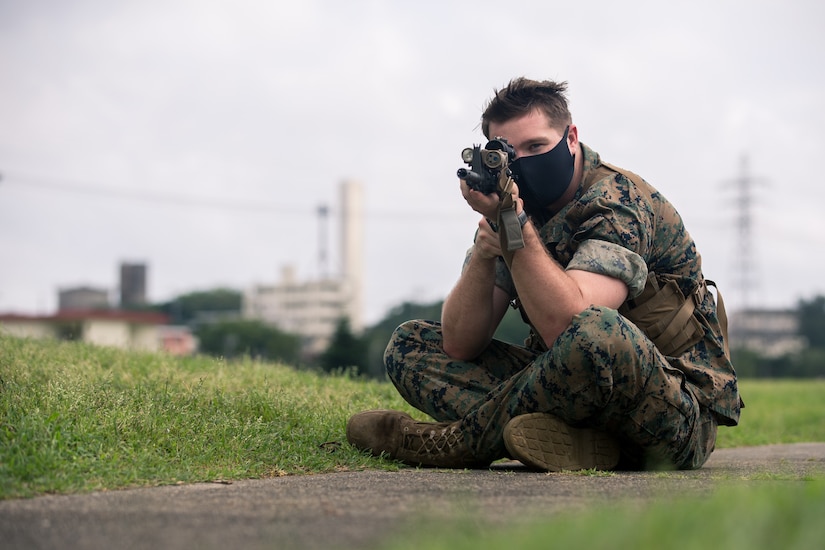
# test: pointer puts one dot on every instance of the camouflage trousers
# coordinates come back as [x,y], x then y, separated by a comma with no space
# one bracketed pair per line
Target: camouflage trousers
[602,372]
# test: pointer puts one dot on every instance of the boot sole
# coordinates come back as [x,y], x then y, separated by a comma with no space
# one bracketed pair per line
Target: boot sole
[545,442]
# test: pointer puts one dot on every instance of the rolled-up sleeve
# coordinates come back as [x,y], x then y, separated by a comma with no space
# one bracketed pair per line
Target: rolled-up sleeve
[613,260]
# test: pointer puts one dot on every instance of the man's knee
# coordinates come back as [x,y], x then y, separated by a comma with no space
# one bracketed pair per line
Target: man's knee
[600,345]
[601,324]
[415,333]
[410,341]
[598,367]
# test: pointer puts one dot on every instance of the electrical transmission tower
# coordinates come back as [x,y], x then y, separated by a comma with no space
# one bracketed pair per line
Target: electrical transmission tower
[746,278]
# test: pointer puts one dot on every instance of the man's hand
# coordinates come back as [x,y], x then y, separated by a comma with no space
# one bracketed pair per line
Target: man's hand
[486,205]
[487,243]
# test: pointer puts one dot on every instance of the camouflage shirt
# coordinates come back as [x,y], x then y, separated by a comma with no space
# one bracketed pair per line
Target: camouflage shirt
[618,225]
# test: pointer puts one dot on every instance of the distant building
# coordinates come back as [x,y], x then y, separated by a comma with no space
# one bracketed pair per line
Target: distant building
[134,330]
[312,309]
[132,285]
[83,297]
[771,333]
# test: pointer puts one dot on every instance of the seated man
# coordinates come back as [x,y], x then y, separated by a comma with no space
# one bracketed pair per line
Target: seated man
[626,365]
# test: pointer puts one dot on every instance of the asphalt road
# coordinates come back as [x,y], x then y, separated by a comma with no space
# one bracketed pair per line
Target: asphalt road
[356,509]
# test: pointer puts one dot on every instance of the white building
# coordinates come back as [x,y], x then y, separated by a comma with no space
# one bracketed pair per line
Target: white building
[770,332]
[312,309]
[133,330]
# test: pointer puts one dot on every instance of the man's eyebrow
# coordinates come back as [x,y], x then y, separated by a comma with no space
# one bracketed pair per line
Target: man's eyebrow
[535,140]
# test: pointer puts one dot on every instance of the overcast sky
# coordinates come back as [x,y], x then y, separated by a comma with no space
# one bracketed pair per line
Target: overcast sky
[201,136]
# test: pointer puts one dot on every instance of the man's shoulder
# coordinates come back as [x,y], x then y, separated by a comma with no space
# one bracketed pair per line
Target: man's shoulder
[596,169]
[605,179]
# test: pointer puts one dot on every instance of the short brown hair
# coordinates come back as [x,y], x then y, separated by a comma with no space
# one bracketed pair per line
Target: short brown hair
[523,95]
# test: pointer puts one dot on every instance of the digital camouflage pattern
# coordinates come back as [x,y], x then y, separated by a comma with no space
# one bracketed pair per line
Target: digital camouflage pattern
[603,371]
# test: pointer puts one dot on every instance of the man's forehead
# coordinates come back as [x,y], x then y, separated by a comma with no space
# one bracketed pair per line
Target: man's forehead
[535,123]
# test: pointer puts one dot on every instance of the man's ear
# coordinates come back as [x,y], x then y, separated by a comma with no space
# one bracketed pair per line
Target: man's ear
[573,138]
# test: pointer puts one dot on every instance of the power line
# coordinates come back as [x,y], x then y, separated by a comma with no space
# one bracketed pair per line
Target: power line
[78,188]
[147,196]
[151,197]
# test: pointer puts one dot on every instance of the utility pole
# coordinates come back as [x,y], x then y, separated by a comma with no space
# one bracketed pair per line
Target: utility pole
[323,259]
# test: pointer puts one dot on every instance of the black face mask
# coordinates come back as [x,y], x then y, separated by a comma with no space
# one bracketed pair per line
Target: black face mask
[543,179]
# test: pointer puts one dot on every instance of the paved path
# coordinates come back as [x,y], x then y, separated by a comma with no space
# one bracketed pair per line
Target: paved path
[353,509]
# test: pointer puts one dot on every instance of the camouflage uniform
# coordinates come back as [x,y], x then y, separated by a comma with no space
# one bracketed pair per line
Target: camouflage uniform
[602,371]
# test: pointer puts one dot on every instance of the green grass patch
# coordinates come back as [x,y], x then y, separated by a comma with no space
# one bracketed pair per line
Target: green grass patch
[778,411]
[736,517]
[75,417]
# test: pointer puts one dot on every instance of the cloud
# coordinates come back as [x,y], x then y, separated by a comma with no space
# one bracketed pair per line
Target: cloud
[247,115]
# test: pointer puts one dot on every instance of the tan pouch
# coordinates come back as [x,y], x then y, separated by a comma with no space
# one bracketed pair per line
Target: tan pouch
[665,315]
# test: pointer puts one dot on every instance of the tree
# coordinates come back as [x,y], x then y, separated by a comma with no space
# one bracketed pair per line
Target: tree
[345,350]
[253,338]
[377,336]
[186,308]
[812,321]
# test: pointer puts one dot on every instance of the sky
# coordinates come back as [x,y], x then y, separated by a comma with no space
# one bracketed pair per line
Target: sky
[201,137]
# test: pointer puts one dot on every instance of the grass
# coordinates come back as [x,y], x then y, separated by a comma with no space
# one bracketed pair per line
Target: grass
[778,411]
[75,417]
[736,517]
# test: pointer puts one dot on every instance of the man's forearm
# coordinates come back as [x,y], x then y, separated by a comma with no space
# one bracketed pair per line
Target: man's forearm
[550,297]
[468,315]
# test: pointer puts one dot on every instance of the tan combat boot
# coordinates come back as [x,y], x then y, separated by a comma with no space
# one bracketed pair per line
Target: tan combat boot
[545,442]
[401,437]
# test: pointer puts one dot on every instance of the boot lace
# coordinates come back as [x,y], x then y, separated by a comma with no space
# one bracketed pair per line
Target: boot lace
[433,441]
